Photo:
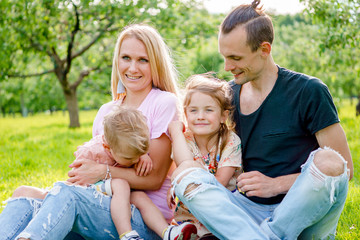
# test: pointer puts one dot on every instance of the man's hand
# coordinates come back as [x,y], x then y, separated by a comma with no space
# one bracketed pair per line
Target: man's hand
[257,184]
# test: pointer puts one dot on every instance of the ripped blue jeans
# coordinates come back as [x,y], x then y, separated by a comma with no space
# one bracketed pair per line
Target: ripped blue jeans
[310,210]
[65,209]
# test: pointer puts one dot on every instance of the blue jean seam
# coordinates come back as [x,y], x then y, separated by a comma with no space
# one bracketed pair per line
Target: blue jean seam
[19,225]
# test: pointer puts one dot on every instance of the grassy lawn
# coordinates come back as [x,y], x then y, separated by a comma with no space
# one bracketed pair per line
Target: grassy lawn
[38,149]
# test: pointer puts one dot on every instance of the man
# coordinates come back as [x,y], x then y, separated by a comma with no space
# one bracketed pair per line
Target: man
[296,159]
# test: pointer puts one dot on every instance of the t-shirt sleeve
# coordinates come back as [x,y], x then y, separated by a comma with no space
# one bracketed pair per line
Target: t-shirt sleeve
[165,112]
[98,127]
[231,156]
[88,150]
[318,110]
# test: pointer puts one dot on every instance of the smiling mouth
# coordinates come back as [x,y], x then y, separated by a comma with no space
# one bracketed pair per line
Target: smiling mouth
[201,124]
[132,77]
[238,74]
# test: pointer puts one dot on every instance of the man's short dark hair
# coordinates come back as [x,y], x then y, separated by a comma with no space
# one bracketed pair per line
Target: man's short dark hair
[257,23]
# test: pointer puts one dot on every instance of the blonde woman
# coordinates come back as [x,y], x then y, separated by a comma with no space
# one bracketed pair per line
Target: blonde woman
[143,77]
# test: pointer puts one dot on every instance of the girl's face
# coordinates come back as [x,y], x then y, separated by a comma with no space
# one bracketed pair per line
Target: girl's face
[204,115]
[134,66]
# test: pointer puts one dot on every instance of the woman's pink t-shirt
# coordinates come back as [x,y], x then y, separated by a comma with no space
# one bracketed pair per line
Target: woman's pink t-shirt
[159,108]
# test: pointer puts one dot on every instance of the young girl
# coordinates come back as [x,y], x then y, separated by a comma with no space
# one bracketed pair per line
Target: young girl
[208,143]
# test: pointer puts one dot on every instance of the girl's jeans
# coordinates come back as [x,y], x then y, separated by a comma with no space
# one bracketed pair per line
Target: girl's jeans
[66,208]
[310,210]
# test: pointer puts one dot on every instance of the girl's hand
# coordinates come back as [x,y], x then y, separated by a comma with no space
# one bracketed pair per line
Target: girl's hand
[176,127]
[170,198]
[144,166]
[85,172]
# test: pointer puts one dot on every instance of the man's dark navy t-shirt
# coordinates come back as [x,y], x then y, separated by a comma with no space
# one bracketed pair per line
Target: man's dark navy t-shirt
[278,137]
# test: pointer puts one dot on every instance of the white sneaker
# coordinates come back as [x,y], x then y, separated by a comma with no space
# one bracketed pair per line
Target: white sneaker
[184,231]
[133,235]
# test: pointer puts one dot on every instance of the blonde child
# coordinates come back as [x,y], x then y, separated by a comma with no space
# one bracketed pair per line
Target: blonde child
[125,143]
[208,142]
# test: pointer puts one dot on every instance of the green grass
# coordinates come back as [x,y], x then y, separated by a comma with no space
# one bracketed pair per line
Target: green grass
[349,222]
[38,149]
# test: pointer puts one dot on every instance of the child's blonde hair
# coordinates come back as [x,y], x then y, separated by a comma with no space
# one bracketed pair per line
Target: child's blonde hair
[219,90]
[126,132]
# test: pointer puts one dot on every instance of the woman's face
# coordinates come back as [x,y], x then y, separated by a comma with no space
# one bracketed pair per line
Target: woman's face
[134,66]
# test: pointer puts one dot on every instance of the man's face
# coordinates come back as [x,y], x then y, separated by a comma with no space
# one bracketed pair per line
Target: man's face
[244,64]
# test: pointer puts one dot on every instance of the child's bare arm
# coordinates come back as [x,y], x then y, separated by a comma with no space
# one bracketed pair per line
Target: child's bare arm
[181,151]
[224,174]
[144,166]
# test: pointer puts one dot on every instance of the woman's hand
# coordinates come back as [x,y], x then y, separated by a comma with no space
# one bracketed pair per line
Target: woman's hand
[85,172]
[144,166]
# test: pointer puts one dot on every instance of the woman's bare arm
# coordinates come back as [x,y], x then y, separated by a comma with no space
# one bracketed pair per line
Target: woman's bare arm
[88,172]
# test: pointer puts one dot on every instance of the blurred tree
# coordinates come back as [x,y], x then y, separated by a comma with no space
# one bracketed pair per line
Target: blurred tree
[340,38]
[71,39]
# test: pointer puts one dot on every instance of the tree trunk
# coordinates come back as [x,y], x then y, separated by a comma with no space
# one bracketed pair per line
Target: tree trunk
[72,105]
[24,110]
[358,107]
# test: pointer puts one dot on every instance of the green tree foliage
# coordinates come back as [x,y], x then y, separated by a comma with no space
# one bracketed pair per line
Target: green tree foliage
[339,19]
[73,39]
[339,31]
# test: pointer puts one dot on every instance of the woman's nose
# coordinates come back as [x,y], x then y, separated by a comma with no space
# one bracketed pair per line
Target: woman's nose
[133,66]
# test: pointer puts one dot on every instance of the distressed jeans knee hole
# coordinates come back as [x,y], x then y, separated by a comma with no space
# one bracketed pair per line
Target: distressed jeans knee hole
[190,189]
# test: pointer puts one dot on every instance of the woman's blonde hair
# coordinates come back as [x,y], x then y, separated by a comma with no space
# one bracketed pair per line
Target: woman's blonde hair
[126,132]
[219,90]
[163,72]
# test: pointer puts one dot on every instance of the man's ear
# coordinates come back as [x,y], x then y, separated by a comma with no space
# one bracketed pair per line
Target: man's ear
[265,48]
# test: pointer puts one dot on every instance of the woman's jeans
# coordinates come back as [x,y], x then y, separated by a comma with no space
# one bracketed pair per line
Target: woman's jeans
[66,208]
[310,210]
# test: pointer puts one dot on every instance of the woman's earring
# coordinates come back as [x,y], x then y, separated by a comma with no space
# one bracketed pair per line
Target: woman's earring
[120,90]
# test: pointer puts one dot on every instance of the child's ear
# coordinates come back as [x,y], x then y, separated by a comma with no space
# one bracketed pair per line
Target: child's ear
[105,144]
[225,116]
